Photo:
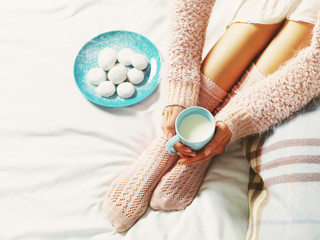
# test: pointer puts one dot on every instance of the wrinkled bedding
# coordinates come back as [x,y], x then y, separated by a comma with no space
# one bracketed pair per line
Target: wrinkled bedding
[59,152]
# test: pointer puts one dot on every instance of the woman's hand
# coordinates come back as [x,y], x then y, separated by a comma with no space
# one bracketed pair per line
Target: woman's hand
[168,127]
[214,147]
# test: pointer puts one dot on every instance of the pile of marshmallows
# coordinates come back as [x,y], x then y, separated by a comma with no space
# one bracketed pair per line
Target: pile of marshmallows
[113,71]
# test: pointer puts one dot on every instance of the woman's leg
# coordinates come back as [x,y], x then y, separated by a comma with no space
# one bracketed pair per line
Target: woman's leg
[291,38]
[179,186]
[235,50]
[128,196]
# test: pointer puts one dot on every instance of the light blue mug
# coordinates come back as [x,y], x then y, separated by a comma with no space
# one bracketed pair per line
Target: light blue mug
[195,127]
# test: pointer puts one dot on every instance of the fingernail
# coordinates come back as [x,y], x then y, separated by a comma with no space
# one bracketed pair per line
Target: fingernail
[193,154]
[188,150]
[170,135]
[207,151]
[180,162]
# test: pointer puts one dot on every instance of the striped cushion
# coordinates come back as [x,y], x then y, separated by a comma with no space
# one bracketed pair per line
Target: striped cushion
[284,183]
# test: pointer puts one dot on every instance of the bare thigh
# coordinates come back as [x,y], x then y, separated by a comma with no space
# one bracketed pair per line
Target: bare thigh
[235,50]
[292,37]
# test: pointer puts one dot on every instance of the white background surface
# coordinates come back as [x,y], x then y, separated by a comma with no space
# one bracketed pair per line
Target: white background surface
[59,152]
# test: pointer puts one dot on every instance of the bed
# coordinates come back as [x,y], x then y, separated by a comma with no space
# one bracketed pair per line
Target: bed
[60,152]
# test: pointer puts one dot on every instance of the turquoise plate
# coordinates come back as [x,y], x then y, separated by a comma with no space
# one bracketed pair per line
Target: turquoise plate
[87,59]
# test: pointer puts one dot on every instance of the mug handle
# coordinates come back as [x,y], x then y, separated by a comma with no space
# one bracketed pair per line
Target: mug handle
[172,141]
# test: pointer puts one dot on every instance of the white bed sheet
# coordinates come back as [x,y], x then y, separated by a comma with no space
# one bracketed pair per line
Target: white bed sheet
[59,152]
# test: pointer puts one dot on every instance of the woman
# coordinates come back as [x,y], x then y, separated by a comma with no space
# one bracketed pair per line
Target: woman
[268,36]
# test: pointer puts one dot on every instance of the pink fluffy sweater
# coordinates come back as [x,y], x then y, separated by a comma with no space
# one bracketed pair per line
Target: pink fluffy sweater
[254,109]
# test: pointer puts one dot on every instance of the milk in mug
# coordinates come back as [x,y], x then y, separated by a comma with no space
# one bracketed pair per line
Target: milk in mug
[195,128]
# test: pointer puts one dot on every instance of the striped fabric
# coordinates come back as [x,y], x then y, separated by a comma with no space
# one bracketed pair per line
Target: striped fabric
[284,182]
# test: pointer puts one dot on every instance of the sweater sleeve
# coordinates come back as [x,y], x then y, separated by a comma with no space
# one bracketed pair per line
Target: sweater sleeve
[279,95]
[187,30]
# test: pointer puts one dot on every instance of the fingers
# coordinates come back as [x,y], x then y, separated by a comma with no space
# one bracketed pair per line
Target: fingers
[168,128]
[214,147]
[205,155]
[168,122]
[191,160]
[220,140]
[184,150]
[168,125]
[182,155]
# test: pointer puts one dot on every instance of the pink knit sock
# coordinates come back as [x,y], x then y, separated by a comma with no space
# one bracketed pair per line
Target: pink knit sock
[249,78]
[178,187]
[210,94]
[128,196]
[181,183]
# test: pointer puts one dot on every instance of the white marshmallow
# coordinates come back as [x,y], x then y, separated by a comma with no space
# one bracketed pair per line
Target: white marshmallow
[135,76]
[126,90]
[124,56]
[96,75]
[106,89]
[139,61]
[118,74]
[107,58]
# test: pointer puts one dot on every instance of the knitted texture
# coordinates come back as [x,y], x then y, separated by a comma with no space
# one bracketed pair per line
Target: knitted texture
[179,186]
[281,94]
[252,106]
[249,78]
[128,196]
[210,94]
[181,78]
